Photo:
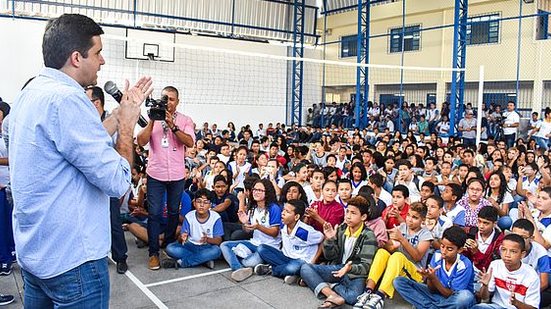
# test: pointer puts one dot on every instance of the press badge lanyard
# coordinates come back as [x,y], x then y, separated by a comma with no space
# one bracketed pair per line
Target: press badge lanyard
[164,139]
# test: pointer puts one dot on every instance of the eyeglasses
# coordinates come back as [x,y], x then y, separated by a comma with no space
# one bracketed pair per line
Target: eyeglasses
[204,202]
[258,190]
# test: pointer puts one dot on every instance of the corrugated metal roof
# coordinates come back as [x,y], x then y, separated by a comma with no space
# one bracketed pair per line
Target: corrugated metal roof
[339,6]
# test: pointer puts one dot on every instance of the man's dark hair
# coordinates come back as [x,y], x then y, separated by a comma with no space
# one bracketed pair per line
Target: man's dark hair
[249,181]
[429,184]
[403,189]
[66,34]
[204,193]
[299,205]
[437,199]
[97,94]
[377,180]
[404,162]
[457,190]
[172,89]
[516,238]
[361,203]
[524,224]
[456,236]
[489,213]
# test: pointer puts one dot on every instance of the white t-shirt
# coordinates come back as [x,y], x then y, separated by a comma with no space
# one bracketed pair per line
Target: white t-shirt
[4,172]
[545,128]
[302,243]
[385,197]
[524,281]
[311,196]
[267,217]
[510,118]
[244,170]
[212,227]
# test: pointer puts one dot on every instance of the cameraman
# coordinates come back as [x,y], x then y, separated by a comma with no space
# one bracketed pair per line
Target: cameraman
[167,140]
[511,121]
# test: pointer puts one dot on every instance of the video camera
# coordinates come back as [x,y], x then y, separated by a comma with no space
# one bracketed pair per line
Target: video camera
[157,108]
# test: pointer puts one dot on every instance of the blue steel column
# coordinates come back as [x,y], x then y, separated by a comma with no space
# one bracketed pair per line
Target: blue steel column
[362,73]
[298,66]
[458,61]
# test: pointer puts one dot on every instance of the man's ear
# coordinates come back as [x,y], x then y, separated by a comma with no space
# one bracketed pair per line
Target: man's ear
[75,59]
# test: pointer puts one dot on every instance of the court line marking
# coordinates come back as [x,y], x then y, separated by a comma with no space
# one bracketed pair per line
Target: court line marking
[188,277]
[143,288]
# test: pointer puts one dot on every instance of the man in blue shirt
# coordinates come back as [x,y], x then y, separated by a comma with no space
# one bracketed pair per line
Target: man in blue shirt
[449,277]
[63,170]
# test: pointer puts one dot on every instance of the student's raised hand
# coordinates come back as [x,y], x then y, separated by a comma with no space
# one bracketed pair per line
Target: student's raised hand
[243,217]
[251,227]
[329,231]
[395,234]
[485,277]
[525,211]
[241,196]
[312,213]
[471,244]
[343,271]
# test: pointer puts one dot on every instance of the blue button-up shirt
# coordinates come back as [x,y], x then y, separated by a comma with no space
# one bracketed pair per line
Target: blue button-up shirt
[63,172]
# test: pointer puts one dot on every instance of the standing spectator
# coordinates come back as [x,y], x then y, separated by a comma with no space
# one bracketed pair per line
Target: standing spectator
[433,115]
[118,242]
[510,124]
[467,127]
[57,258]
[167,140]
[544,130]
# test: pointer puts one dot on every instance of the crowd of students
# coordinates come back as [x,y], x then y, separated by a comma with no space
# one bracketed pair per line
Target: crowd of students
[357,218]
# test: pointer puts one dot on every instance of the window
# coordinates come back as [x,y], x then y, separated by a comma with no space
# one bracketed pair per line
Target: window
[411,39]
[483,29]
[542,26]
[349,46]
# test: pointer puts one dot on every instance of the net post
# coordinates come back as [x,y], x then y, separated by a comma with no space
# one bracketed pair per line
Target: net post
[480,102]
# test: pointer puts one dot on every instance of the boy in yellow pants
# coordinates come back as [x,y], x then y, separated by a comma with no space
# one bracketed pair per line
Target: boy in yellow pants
[403,254]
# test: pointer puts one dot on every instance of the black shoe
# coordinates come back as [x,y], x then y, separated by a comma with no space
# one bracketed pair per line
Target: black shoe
[140,243]
[122,267]
[169,263]
[6,299]
[263,269]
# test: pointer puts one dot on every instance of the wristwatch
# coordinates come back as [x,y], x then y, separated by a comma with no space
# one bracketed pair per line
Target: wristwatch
[175,129]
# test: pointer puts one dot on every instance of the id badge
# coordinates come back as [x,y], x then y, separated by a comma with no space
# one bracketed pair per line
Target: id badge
[164,142]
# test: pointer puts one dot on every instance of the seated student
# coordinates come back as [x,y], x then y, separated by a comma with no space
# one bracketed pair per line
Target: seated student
[313,190]
[508,282]
[436,223]
[451,194]
[226,205]
[344,191]
[200,236]
[376,181]
[299,245]
[444,177]
[473,201]
[292,190]
[449,277]
[395,214]
[536,256]
[407,177]
[263,219]
[427,189]
[405,252]
[358,177]
[350,248]
[483,245]
[368,191]
[326,210]
[374,220]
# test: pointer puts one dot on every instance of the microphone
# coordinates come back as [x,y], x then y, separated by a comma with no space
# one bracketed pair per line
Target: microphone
[112,89]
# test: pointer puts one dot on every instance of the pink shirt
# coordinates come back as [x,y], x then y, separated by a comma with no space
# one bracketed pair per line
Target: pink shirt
[167,163]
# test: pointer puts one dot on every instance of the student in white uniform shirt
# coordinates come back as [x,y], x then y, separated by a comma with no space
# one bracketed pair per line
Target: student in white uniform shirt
[509,283]
[300,243]
[511,122]
[376,182]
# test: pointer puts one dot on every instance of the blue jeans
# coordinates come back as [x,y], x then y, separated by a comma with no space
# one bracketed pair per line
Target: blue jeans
[190,254]
[543,142]
[320,276]
[469,141]
[487,306]
[419,295]
[281,265]
[509,139]
[85,286]
[7,245]
[232,259]
[155,194]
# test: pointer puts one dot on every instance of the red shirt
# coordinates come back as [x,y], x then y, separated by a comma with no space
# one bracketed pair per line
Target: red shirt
[391,222]
[332,213]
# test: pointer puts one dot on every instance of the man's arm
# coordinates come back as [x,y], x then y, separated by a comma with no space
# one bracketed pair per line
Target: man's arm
[145,134]
[111,123]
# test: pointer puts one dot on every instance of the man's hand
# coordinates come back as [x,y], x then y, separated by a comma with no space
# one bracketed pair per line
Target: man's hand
[243,217]
[343,271]
[329,231]
[429,272]
[132,98]
[169,120]
[485,277]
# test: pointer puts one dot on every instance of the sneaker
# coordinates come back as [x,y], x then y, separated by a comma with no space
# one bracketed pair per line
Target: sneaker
[209,264]
[5,269]
[242,274]
[122,267]
[169,263]
[6,299]
[140,243]
[154,262]
[362,299]
[375,302]
[263,269]
[290,279]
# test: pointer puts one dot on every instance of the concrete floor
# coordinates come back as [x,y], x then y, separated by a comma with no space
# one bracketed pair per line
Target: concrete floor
[198,287]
